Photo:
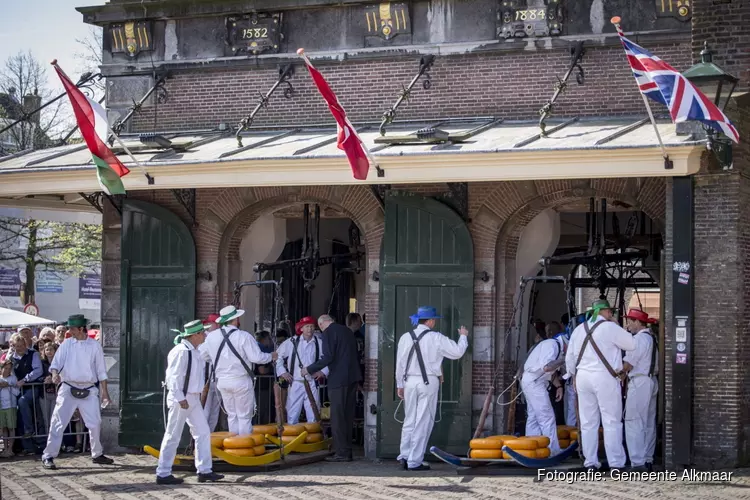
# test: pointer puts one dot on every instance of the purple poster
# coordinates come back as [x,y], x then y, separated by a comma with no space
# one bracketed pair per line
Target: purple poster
[10,287]
[89,291]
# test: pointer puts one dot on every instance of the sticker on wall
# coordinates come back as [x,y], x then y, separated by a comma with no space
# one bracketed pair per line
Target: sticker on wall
[681,321]
[681,267]
[681,359]
[683,278]
[681,347]
[680,334]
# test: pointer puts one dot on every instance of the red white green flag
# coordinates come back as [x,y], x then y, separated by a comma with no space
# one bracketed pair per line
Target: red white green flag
[92,121]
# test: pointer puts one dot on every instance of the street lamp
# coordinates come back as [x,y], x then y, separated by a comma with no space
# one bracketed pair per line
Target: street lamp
[718,85]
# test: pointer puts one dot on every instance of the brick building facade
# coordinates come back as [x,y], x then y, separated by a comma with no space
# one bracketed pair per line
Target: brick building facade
[476,74]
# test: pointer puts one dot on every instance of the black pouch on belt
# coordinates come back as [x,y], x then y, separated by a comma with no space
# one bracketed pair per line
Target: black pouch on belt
[79,393]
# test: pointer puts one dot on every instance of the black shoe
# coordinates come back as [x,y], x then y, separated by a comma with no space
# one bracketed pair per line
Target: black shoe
[404,464]
[170,479]
[211,476]
[102,460]
[338,458]
[649,467]
[48,463]
[419,467]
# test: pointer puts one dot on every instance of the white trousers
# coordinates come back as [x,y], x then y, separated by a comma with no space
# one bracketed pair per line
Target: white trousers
[176,419]
[213,407]
[540,420]
[65,406]
[238,395]
[600,400]
[640,419]
[420,406]
[570,405]
[297,396]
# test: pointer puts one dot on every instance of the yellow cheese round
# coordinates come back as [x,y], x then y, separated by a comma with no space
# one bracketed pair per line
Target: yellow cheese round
[293,429]
[542,453]
[563,433]
[541,441]
[312,428]
[217,442]
[574,435]
[564,443]
[525,453]
[246,441]
[240,452]
[259,450]
[288,439]
[271,430]
[521,444]
[315,437]
[503,437]
[486,454]
[486,444]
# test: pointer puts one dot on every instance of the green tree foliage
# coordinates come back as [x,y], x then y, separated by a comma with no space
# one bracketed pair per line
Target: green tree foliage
[68,248]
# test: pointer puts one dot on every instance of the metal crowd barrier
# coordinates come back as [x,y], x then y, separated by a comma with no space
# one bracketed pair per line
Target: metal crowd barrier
[42,405]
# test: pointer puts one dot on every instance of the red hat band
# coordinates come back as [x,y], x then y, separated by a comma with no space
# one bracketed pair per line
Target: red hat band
[307,320]
[639,316]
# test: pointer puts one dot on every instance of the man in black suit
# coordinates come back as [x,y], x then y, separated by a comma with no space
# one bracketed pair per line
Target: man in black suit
[341,357]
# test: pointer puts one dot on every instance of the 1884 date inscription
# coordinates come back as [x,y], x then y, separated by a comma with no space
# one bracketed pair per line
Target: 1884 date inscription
[529,18]
[254,33]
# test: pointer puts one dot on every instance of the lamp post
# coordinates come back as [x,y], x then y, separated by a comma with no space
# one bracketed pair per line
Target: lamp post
[718,85]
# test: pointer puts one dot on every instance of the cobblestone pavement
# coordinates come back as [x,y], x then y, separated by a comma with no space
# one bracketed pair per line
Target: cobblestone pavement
[132,477]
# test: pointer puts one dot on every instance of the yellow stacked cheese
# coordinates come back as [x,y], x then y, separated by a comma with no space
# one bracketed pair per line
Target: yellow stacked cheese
[491,447]
[566,435]
[249,445]
[291,431]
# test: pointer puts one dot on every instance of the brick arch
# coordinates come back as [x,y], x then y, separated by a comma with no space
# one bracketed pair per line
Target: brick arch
[239,208]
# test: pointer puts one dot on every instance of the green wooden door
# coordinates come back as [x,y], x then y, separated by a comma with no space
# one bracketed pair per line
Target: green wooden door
[157,294]
[427,260]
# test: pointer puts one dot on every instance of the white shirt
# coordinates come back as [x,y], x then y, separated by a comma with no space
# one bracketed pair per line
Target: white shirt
[9,395]
[640,357]
[611,339]
[434,346]
[228,366]
[305,352]
[544,353]
[80,362]
[177,365]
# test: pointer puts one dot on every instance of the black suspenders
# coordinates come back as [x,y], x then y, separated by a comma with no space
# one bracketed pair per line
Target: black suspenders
[294,353]
[187,375]
[420,360]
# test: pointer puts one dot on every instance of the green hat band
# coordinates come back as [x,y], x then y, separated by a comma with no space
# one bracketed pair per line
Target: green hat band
[225,318]
[191,329]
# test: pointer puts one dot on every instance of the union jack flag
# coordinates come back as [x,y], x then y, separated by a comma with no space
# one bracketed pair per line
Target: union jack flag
[662,83]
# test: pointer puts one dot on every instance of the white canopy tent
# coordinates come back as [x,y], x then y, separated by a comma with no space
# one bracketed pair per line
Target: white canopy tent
[9,317]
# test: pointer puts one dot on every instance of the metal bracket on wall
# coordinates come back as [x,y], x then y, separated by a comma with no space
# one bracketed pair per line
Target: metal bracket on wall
[379,191]
[458,198]
[162,96]
[116,201]
[425,64]
[285,74]
[95,200]
[576,55]
[186,197]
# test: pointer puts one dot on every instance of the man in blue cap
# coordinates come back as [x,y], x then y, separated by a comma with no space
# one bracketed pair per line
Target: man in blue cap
[418,381]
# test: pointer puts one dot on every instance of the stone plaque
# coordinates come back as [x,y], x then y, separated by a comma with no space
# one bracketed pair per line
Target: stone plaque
[254,33]
[529,18]
[387,20]
[131,38]
[679,9]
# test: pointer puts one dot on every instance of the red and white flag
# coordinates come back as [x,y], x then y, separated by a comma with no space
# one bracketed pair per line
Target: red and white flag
[92,120]
[348,140]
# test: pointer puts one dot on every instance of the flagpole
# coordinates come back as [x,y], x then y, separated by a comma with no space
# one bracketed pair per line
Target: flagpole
[667,162]
[117,138]
[109,129]
[370,157]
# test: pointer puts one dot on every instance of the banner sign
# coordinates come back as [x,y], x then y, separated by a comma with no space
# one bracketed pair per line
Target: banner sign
[89,291]
[10,287]
[49,282]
